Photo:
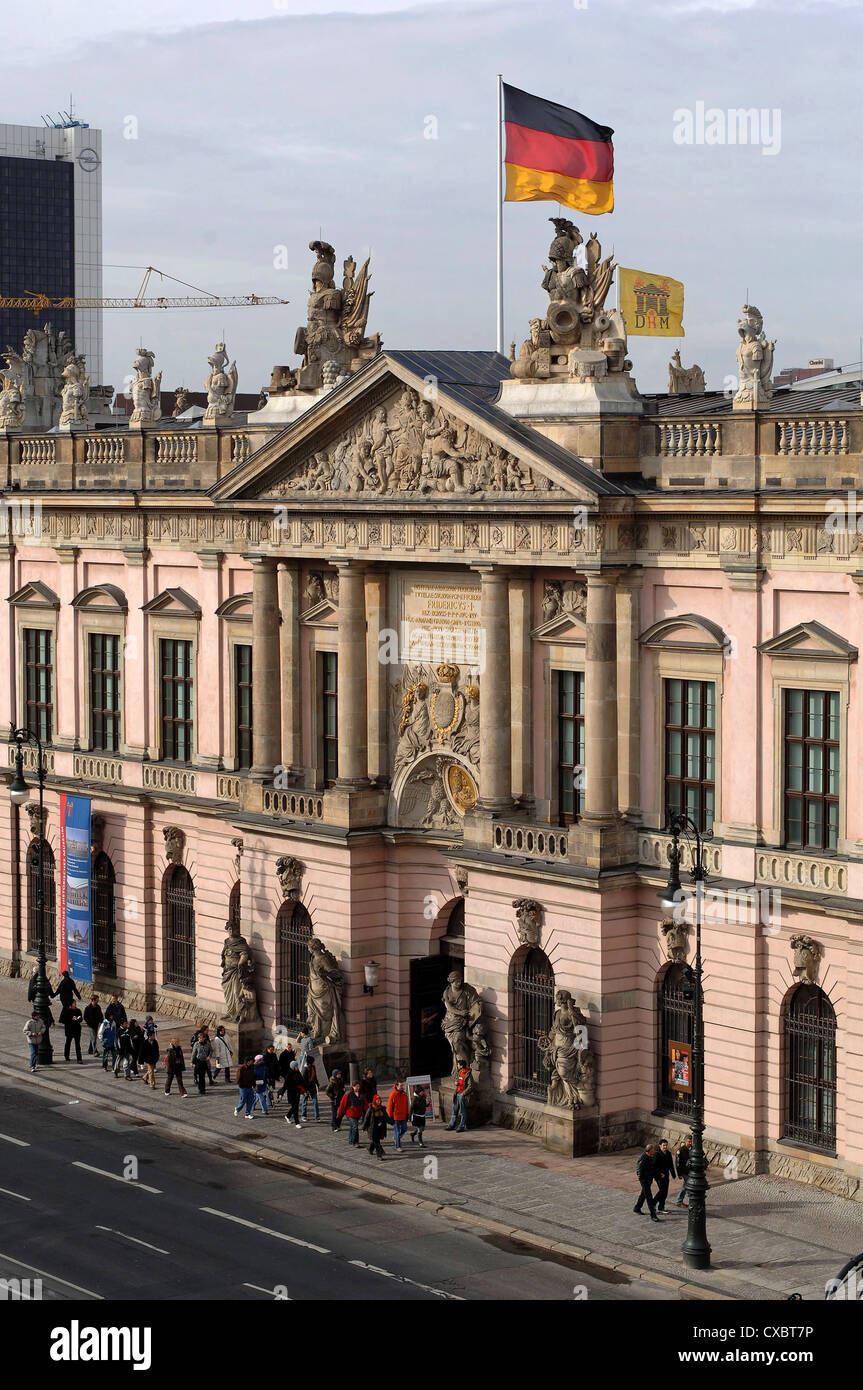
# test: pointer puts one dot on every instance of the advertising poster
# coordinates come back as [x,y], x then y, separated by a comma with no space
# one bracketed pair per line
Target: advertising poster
[76,936]
[415,1084]
[680,1066]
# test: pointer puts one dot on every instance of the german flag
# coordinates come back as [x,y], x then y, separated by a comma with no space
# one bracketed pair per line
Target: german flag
[556,154]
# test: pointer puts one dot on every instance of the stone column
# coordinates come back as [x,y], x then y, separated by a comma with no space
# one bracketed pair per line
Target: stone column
[352,697]
[495,724]
[629,694]
[67,733]
[376,607]
[289,598]
[10,707]
[600,714]
[210,683]
[139,718]
[266,707]
[521,659]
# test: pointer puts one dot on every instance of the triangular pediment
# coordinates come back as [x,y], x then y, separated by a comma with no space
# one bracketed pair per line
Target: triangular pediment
[564,607]
[319,604]
[176,601]
[34,595]
[810,640]
[416,428]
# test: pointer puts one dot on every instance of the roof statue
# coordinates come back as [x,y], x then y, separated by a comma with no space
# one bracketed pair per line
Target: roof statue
[333,342]
[579,338]
[754,361]
[220,385]
[684,381]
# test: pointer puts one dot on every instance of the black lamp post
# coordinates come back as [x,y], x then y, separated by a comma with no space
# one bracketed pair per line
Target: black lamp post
[40,989]
[696,1248]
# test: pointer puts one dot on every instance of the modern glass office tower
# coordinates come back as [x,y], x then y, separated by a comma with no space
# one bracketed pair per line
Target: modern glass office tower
[51,231]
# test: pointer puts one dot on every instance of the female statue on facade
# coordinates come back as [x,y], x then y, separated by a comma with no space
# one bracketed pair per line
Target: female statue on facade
[324,998]
[238,977]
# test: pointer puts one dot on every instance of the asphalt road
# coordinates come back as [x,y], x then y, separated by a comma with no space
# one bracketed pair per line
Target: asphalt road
[103,1207]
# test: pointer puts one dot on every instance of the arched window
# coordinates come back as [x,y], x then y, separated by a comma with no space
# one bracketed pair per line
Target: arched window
[104,916]
[49,899]
[178,918]
[293,934]
[675,1033]
[234,907]
[531,988]
[452,942]
[809,1028]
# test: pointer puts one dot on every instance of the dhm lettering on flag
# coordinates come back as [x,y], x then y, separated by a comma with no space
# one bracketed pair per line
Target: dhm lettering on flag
[652,305]
[556,154]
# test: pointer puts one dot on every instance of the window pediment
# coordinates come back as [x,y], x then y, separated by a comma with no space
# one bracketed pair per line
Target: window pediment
[811,640]
[174,601]
[238,607]
[686,632]
[34,595]
[101,598]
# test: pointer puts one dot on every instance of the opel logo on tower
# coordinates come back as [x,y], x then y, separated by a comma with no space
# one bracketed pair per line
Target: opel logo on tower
[88,160]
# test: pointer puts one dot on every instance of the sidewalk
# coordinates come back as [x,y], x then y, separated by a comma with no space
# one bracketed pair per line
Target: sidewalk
[770,1236]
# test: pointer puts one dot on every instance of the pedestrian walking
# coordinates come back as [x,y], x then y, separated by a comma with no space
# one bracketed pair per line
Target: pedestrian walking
[202,1050]
[66,991]
[117,1013]
[645,1171]
[262,1083]
[376,1123]
[305,1045]
[93,1017]
[398,1108]
[128,1047]
[72,1019]
[136,1038]
[149,1056]
[664,1171]
[463,1088]
[681,1159]
[419,1112]
[271,1062]
[310,1089]
[368,1085]
[246,1087]
[223,1055]
[175,1065]
[354,1105]
[149,1027]
[34,1032]
[108,1039]
[293,1090]
[335,1091]
[286,1056]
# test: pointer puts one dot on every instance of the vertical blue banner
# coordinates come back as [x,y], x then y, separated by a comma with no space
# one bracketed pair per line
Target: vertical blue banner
[77,924]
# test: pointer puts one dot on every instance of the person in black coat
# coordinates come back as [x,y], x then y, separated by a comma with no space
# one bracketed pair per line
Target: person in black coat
[285,1057]
[665,1171]
[376,1123]
[72,1018]
[645,1172]
[681,1158]
[66,989]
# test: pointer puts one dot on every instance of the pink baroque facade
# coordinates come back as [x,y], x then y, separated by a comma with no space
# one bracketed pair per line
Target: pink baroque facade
[452,651]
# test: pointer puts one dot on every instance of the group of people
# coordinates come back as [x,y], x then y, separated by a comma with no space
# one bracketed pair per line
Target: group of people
[657,1165]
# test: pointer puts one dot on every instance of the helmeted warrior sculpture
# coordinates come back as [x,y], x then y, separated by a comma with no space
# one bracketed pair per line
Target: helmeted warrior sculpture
[220,385]
[146,390]
[333,342]
[754,361]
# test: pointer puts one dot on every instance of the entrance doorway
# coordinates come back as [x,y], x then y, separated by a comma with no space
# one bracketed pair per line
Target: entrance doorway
[430,1051]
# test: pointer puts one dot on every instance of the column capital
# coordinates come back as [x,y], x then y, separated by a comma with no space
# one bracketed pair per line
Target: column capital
[136,556]
[607,577]
[261,561]
[66,554]
[209,559]
[347,562]
[493,572]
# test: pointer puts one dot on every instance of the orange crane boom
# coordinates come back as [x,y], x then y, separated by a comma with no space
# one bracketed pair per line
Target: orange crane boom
[38,303]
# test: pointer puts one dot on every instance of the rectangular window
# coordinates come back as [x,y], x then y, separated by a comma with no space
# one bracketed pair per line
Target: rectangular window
[690,750]
[243,705]
[176,686]
[570,745]
[104,692]
[329,715]
[811,773]
[39,682]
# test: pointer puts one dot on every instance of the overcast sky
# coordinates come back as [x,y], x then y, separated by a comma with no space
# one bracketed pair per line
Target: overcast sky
[304,117]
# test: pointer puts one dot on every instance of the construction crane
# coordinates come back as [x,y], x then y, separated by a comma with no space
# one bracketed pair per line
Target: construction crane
[38,303]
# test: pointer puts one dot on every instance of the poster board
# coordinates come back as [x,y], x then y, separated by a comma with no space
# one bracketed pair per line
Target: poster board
[680,1067]
[421,1083]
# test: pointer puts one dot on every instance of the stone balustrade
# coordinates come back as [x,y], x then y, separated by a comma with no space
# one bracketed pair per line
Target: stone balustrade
[92,768]
[39,451]
[159,777]
[301,806]
[690,438]
[807,871]
[227,787]
[530,841]
[30,758]
[811,438]
[105,448]
[654,848]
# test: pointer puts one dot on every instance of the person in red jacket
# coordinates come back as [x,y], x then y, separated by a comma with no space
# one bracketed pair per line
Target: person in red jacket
[353,1104]
[398,1107]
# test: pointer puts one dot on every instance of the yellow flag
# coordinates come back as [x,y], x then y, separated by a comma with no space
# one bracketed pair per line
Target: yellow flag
[652,305]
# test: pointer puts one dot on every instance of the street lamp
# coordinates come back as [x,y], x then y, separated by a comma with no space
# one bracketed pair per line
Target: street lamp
[19,792]
[696,1248]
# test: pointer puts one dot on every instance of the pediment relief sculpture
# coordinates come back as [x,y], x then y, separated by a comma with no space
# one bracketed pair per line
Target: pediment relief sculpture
[321,594]
[409,445]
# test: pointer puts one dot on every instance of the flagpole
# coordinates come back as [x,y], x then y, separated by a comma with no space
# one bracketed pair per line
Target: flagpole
[500,343]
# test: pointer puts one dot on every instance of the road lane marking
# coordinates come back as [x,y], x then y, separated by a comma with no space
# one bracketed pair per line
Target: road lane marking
[271,1292]
[403,1279]
[19,1195]
[117,1177]
[22,1143]
[110,1229]
[55,1278]
[265,1230]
